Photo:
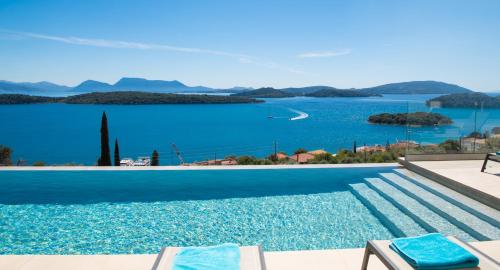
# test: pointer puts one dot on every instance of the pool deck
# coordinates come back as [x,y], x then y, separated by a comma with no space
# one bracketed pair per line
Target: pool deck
[348,259]
[464,176]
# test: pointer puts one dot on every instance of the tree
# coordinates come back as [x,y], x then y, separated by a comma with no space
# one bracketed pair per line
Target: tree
[5,153]
[105,159]
[300,151]
[354,147]
[117,153]
[387,146]
[155,159]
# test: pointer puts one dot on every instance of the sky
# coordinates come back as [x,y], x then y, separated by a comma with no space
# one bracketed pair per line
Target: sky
[253,43]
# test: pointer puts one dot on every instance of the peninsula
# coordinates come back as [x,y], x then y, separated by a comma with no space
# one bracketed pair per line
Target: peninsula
[465,100]
[126,98]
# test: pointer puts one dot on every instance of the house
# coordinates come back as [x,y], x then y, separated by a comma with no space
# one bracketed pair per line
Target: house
[301,158]
[471,144]
[318,152]
[281,156]
[371,149]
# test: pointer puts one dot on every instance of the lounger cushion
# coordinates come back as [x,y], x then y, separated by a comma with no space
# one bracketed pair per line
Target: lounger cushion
[433,251]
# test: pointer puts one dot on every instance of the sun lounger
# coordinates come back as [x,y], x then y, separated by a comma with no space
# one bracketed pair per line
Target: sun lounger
[394,261]
[491,156]
[251,258]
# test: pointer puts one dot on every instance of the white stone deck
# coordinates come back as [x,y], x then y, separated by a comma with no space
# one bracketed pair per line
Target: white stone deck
[467,172]
[346,259]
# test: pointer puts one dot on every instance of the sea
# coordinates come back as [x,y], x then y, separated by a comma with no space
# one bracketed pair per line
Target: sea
[64,133]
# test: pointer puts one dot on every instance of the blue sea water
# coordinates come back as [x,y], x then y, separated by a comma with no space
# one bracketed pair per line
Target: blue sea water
[112,212]
[59,133]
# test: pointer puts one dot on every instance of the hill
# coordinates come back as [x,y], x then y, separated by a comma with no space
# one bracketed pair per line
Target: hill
[126,98]
[340,93]
[160,86]
[139,84]
[32,88]
[417,87]
[465,100]
[302,91]
[417,119]
[267,92]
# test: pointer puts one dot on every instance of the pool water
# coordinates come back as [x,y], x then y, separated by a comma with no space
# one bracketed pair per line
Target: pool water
[113,212]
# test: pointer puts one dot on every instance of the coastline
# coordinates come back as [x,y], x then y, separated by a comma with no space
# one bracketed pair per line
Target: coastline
[192,168]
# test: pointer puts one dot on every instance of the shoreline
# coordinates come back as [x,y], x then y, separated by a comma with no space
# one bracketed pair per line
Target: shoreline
[193,168]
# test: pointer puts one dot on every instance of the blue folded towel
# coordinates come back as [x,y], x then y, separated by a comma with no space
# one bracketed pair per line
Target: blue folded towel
[222,257]
[433,251]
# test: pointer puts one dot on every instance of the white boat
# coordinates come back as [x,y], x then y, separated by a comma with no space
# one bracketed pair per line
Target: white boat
[142,161]
[126,162]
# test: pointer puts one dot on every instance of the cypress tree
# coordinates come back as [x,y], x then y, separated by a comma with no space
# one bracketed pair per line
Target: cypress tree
[105,159]
[155,159]
[354,147]
[117,153]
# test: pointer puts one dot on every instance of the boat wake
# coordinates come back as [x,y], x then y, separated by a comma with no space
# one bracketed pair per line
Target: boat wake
[300,116]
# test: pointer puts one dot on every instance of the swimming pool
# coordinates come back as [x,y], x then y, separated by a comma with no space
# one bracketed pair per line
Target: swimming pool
[112,212]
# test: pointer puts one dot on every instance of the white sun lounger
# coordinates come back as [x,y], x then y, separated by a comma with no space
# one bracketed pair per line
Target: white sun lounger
[251,258]
[393,261]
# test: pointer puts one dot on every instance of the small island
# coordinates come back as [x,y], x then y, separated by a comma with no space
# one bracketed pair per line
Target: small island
[465,100]
[413,119]
[126,98]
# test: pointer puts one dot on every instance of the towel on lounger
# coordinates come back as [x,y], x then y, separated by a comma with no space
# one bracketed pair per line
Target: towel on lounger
[433,251]
[222,257]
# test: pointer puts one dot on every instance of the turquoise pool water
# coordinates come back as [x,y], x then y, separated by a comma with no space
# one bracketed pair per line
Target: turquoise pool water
[111,212]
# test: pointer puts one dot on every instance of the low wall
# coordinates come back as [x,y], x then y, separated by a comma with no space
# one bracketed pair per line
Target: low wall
[442,157]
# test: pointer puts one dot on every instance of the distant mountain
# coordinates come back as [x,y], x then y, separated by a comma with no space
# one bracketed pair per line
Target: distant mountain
[147,85]
[417,87]
[160,86]
[92,86]
[139,84]
[267,92]
[465,100]
[29,88]
[341,93]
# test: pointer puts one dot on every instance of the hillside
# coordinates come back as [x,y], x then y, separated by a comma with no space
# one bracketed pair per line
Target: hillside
[417,119]
[31,88]
[25,99]
[465,100]
[302,91]
[267,92]
[340,93]
[417,87]
[161,86]
[126,98]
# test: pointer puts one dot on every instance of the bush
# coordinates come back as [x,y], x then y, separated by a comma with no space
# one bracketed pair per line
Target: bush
[247,160]
[39,163]
[5,153]
[450,146]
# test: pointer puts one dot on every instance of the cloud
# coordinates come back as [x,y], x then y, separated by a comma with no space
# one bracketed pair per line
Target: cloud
[117,44]
[324,54]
